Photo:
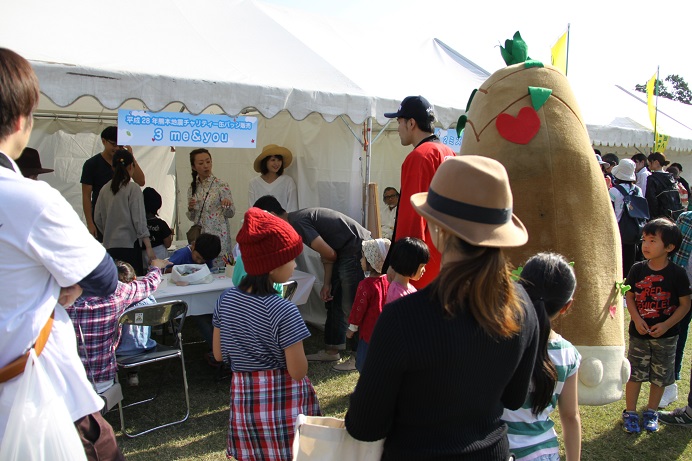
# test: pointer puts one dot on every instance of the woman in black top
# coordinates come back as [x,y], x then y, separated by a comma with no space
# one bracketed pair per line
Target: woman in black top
[443,362]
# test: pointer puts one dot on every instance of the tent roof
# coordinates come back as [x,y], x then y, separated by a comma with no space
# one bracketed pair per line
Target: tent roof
[619,117]
[234,56]
[216,52]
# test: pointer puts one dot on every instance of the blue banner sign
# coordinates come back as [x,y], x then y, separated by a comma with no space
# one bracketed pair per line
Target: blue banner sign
[450,138]
[141,128]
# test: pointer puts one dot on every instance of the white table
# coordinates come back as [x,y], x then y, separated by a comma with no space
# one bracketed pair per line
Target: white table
[201,299]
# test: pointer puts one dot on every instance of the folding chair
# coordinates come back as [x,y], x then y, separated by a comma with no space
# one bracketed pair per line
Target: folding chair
[288,289]
[172,313]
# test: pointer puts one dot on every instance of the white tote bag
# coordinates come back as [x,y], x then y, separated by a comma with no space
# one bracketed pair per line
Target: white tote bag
[39,427]
[191,274]
[320,438]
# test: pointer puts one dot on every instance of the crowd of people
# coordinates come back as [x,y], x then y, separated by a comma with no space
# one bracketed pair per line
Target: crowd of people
[433,300]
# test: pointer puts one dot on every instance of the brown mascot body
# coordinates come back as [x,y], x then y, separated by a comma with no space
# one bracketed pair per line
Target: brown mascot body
[526,117]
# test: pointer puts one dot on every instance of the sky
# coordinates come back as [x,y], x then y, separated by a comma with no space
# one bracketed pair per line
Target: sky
[610,42]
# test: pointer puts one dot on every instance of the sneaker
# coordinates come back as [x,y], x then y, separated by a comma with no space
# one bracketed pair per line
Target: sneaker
[346,365]
[670,395]
[133,379]
[650,418]
[630,421]
[677,417]
[323,356]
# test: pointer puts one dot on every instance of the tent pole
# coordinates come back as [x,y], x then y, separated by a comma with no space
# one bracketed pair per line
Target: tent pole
[367,145]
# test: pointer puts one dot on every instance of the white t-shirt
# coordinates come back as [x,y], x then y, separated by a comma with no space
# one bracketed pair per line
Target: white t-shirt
[642,177]
[43,246]
[387,218]
[283,188]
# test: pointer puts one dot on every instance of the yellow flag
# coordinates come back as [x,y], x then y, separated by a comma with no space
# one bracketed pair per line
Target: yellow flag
[661,142]
[651,99]
[558,54]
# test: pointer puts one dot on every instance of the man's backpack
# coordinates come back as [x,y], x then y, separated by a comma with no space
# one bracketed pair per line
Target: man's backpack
[635,212]
[667,196]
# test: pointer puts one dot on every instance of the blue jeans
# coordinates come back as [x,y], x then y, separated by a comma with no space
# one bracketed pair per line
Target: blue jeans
[360,355]
[346,275]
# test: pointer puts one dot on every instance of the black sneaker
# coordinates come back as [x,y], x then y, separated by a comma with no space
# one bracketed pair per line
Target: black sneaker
[677,417]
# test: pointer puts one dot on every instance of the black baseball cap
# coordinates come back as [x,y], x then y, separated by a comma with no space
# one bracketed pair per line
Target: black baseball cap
[415,107]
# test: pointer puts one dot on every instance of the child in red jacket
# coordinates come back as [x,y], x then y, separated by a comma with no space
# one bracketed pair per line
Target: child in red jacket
[368,302]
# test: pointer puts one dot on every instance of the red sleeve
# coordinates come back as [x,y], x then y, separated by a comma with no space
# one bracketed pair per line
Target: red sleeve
[417,172]
[360,304]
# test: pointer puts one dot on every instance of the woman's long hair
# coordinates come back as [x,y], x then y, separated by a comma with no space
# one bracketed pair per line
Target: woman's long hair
[193,154]
[481,282]
[550,282]
[121,160]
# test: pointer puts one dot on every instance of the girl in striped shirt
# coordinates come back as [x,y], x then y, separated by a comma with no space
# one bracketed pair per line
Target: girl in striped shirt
[550,283]
[260,335]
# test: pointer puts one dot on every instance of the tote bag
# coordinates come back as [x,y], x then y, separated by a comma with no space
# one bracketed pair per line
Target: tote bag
[191,274]
[320,438]
[39,427]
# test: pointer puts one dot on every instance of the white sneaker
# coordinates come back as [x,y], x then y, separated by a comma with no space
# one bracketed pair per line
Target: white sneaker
[323,356]
[346,365]
[670,395]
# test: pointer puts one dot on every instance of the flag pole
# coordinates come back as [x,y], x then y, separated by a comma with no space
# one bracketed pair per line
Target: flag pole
[656,91]
[567,52]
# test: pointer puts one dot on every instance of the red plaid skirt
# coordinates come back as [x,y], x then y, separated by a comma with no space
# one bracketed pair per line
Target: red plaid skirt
[264,407]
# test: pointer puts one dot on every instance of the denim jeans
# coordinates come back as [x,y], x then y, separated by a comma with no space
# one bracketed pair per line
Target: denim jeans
[346,276]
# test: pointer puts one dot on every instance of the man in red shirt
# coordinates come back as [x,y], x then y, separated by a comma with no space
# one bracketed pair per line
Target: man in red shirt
[416,119]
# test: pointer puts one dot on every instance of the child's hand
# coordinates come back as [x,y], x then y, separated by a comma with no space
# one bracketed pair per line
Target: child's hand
[641,326]
[160,263]
[658,330]
[349,334]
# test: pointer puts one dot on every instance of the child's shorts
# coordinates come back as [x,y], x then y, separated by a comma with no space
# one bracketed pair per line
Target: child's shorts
[652,360]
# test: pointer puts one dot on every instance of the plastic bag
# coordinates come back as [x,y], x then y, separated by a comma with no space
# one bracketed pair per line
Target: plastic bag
[326,439]
[190,274]
[39,427]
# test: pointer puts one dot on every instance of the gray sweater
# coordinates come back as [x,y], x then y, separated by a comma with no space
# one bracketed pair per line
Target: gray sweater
[121,217]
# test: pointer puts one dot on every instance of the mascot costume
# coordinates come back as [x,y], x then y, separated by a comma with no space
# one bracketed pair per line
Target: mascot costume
[526,117]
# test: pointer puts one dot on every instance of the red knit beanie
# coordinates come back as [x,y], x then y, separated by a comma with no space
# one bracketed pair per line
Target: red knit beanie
[266,242]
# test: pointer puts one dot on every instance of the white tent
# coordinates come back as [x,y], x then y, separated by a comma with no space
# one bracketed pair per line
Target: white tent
[232,57]
[318,87]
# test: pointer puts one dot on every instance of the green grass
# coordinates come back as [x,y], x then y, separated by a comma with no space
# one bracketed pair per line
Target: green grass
[203,436]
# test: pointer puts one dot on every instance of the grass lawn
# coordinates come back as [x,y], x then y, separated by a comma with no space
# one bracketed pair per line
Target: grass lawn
[203,436]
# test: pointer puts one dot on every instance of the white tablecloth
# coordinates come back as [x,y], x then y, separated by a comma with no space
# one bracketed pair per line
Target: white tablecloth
[201,299]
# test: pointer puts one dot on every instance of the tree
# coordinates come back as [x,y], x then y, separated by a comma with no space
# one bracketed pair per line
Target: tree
[680,92]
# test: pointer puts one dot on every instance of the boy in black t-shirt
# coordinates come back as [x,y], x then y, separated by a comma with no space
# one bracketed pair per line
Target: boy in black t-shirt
[658,300]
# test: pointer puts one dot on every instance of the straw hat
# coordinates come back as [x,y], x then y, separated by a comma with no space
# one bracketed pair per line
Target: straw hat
[273,149]
[624,170]
[470,197]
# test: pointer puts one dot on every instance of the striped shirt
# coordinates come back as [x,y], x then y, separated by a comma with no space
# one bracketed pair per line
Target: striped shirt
[531,436]
[255,330]
[682,256]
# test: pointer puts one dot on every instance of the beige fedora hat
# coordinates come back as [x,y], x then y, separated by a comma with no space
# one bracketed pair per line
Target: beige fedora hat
[470,197]
[273,149]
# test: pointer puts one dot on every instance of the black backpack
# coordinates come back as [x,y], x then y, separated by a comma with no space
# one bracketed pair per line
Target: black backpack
[668,196]
[635,212]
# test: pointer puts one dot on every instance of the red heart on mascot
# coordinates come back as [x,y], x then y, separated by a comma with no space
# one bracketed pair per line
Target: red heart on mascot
[520,129]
